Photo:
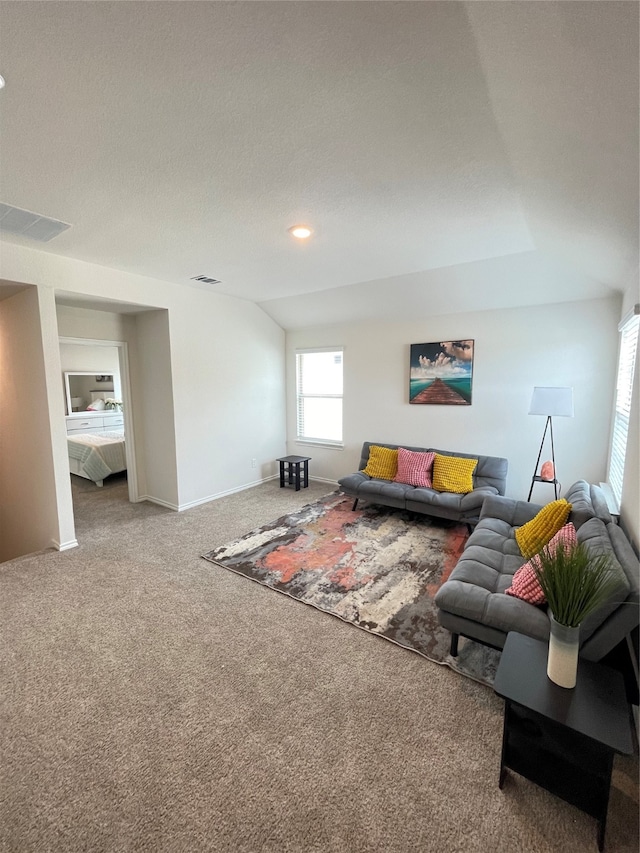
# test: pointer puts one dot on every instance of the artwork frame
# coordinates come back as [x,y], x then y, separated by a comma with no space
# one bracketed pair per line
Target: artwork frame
[441,373]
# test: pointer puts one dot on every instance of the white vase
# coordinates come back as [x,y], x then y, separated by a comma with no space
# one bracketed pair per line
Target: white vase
[564,645]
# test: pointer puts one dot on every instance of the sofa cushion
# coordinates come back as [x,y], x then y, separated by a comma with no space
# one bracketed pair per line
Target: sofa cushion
[453,474]
[474,592]
[414,468]
[535,534]
[587,501]
[350,484]
[384,492]
[383,463]
[594,534]
[496,535]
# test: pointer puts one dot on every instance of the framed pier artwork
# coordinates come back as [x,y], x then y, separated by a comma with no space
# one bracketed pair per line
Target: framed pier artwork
[441,373]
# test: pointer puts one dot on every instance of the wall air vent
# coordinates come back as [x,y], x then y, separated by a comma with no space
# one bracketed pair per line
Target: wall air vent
[14,220]
[205,279]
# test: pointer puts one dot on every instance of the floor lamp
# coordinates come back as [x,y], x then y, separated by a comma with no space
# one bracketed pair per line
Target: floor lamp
[551,402]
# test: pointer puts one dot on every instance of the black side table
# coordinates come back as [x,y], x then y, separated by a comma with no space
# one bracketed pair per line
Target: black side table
[290,470]
[562,739]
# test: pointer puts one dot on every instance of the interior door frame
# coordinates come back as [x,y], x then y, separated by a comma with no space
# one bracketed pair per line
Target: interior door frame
[125,380]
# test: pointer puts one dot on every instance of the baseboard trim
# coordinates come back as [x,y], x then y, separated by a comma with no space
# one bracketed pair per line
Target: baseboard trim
[224,494]
[324,480]
[157,501]
[209,498]
[65,546]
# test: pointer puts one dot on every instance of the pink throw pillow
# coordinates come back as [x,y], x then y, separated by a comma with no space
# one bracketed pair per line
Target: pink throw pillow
[525,584]
[414,468]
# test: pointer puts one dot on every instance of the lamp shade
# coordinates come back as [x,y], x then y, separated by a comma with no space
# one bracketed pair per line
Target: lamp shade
[554,402]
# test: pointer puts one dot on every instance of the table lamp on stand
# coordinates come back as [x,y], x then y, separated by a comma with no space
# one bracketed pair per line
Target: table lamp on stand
[551,402]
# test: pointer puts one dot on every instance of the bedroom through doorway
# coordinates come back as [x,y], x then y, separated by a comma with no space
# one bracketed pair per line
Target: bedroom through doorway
[96,388]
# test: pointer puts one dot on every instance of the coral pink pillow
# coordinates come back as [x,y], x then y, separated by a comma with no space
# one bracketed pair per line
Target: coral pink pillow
[525,584]
[414,468]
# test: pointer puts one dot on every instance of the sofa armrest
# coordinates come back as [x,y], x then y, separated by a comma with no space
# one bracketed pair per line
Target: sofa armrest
[514,513]
[477,497]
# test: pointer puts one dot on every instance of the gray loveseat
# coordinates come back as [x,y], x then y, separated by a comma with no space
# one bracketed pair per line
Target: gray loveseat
[489,478]
[473,603]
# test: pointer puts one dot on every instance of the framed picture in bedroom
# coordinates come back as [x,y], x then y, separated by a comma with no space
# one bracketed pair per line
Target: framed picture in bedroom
[441,373]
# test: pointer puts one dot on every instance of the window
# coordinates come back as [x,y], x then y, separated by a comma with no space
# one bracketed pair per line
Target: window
[624,389]
[319,395]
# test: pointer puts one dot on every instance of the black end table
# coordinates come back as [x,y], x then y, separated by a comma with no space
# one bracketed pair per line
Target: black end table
[290,471]
[562,739]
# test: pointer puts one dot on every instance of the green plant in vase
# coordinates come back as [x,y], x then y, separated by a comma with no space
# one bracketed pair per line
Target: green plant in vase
[576,582]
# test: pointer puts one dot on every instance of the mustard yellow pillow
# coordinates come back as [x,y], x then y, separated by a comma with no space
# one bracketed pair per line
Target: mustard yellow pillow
[382,463]
[535,534]
[453,474]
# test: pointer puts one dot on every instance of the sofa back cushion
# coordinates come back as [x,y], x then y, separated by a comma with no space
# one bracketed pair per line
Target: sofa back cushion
[595,535]
[587,501]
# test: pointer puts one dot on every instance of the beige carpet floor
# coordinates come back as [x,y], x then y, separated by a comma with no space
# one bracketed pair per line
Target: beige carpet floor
[154,702]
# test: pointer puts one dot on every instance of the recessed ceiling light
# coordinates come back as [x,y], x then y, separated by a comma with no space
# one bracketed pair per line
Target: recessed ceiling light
[1,82]
[300,231]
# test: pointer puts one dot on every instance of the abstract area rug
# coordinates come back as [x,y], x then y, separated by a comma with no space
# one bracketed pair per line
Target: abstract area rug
[376,568]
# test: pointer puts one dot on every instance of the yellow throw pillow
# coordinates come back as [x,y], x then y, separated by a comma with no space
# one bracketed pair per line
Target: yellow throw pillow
[382,463]
[453,474]
[535,534]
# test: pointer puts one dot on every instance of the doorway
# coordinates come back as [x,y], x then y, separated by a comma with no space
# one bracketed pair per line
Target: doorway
[100,356]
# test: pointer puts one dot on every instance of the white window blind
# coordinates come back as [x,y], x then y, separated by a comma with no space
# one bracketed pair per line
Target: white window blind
[624,390]
[319,395]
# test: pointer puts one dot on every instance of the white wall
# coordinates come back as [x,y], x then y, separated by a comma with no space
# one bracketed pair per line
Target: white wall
[154,407]
[28,513]
[208,376]
[222,377]
[571,344]
[228,379]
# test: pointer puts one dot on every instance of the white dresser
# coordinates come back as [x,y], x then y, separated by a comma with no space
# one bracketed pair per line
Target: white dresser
[96,422]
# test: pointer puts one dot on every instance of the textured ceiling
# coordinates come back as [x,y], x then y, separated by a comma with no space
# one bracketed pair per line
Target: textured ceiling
[490,148]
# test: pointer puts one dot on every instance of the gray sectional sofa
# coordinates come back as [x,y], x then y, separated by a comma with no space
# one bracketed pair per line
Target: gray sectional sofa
[489,478]
[472,602]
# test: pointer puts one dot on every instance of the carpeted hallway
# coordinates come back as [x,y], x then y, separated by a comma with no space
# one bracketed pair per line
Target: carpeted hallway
[152,701]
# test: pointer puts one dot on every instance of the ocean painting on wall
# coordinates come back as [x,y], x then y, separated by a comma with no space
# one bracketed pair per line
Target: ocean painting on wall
[441,373]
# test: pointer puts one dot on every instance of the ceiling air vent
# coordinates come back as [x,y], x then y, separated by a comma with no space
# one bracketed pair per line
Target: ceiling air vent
[205,279]
[14,220]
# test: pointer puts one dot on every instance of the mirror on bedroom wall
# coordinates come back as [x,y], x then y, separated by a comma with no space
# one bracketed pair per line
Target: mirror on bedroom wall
[84,388]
